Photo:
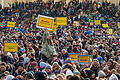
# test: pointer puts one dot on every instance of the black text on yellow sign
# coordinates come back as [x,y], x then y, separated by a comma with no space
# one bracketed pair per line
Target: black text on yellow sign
[10,24]
[11,47]
[45,22]
[83,59]
[74,57]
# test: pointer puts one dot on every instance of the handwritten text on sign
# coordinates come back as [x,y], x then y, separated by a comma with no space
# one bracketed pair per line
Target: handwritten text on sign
[11,47]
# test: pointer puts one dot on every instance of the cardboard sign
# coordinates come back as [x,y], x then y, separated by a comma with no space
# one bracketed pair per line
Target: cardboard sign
[61,21]
[10,24]
[82,59]
[110,31]
[11,47]
[118,24]
[2,24]
[104,25]
[54,27]
[97,22]
[76,23]
[45,22]
[73,56]
[91,24]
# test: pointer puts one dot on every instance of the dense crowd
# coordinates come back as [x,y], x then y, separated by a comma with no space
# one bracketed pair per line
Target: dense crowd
[29,63]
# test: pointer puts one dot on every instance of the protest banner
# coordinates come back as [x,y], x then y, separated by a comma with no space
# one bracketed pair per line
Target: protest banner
[45,22]
[97,22]
[2,24]
[110,31]
[104,25]
[61,21]
[118,24]
[11,47]
[76,23]
[54,27]
[10,24]
[82,59]
[73,56]
[91,24]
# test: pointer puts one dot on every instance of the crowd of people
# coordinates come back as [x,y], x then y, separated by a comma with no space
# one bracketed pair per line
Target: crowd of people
[31,62]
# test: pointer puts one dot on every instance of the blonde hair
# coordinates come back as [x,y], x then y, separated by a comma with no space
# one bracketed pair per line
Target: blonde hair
[58,66]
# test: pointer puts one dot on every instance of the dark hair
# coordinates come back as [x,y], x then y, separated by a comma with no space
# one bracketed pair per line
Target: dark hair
[74,78]
[3,63]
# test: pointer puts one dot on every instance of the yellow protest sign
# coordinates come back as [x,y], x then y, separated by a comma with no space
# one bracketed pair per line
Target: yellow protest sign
[97,22]
[45,22]
[83,59]
[54,27]
[91,24]
[104,25]
[62,21]
[110,31]
[10,24]
[11,47]
[74,57]
[118,24]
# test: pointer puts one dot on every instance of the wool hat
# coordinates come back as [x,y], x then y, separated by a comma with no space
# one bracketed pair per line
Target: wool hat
[48,67]
[9,77]
[21,64]
[29,75]
[113,77]
[42,64]
[101,74]
[33,64]
[68,73]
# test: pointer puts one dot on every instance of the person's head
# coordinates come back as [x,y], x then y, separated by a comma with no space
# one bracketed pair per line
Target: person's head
[77,73]
[20,66]
[9,77]
[28,75]
[63,51]
[3,67]
[42,65]
[34,65]
[95,63]
[2,76]
[74,77]
[103,64]
[55,66]
[20,77]
[48,69]
[110,62]
[101,74]
[117,67]
[106,70]
[94,52]
[113,71]
[68,74]
[60,77]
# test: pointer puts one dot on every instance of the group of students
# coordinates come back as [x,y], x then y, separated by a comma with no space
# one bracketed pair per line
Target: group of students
[33,60]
